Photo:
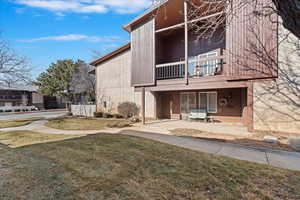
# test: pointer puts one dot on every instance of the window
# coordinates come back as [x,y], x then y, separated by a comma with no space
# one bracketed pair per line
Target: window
[204,67]
[208,101]
[187,102]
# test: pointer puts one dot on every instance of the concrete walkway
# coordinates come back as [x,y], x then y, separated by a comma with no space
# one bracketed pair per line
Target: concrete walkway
[288,160]
[283,159]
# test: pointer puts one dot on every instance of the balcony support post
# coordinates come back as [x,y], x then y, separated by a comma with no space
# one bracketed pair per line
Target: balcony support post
[186,41]
[143,106]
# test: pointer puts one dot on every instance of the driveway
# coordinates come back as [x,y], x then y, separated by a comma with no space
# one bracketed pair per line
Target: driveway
[46,115]
[283,159]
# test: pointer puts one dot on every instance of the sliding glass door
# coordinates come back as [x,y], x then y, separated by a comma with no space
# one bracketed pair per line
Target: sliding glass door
[208,101]
[188,102]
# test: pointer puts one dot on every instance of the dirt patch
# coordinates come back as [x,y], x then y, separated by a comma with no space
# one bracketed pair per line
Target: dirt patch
[256,139]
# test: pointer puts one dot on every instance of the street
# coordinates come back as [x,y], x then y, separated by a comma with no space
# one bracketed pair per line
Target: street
[47,115]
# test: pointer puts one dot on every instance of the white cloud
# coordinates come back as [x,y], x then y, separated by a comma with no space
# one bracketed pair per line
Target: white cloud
[20,10]
[74,37]
[88,6]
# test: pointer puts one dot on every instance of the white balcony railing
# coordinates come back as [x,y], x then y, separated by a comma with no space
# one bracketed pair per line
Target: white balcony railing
[197,67]
[170,70]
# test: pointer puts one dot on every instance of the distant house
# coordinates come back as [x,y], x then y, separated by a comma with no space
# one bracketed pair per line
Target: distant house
[18,97]
[169,71]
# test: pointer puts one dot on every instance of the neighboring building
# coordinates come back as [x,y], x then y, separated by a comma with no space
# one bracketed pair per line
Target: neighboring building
[20,95]
[26,95]
[224,78]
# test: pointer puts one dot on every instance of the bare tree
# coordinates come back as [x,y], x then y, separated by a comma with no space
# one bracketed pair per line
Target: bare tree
[83,84]
[223,11]
[96,54]
[13,68]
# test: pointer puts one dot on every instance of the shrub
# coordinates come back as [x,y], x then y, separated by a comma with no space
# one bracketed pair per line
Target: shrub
[68,114]
[128,109]
[117,116]
[107,115]
[295,143]
[120,124]
[98,114]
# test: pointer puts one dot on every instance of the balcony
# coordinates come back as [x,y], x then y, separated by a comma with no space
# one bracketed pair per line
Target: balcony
[204,65]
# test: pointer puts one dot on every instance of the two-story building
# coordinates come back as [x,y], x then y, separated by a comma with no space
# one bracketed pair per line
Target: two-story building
[168,70]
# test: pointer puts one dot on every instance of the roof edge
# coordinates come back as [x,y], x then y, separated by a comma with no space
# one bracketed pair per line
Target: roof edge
[127,27]
[111,54]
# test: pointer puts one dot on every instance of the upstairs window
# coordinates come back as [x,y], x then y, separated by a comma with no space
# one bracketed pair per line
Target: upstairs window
[199,66]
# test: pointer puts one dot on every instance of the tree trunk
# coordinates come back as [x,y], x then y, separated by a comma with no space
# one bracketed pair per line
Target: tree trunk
[289,10]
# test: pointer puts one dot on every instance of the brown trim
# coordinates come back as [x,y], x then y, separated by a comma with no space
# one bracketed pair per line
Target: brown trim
[140,18]
[196,86]
[111,54]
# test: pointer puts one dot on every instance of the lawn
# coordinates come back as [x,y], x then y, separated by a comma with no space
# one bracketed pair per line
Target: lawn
[23,138]
[84,123]
[17,123]
[106,166]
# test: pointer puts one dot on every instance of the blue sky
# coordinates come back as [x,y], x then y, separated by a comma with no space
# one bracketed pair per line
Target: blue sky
[48,30]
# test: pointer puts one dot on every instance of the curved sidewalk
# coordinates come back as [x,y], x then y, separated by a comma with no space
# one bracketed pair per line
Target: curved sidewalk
[277,158]
[283,159]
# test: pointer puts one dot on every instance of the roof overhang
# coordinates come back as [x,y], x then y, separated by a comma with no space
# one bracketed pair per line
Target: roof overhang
[110,55]
[145,15]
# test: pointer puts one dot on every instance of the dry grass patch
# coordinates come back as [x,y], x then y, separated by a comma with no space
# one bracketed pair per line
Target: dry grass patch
[23,138]
[256,139]
[115,167]
[17,122]
[85,123]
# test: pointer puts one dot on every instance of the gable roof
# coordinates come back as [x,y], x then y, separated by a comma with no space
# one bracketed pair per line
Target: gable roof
[110,55]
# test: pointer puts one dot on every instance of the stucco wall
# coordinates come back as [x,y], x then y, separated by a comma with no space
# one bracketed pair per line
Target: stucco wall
[113,85]
[276,103]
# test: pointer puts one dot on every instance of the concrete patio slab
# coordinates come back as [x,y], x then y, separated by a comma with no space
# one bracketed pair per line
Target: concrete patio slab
[166,126]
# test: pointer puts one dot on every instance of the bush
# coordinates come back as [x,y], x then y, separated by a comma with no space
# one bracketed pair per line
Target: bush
[128,109]
[295,143]
[107,115]
[117,116]
[69,114]
[98,114]
[120,124]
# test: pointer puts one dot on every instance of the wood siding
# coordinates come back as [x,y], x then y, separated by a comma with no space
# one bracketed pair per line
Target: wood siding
[143,55]
[251,44]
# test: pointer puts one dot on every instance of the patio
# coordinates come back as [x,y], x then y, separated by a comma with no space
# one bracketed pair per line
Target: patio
[166,126]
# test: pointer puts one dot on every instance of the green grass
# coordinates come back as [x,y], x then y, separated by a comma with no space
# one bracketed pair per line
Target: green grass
[117,167]
[23,138]
[82,123]
[17,123]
